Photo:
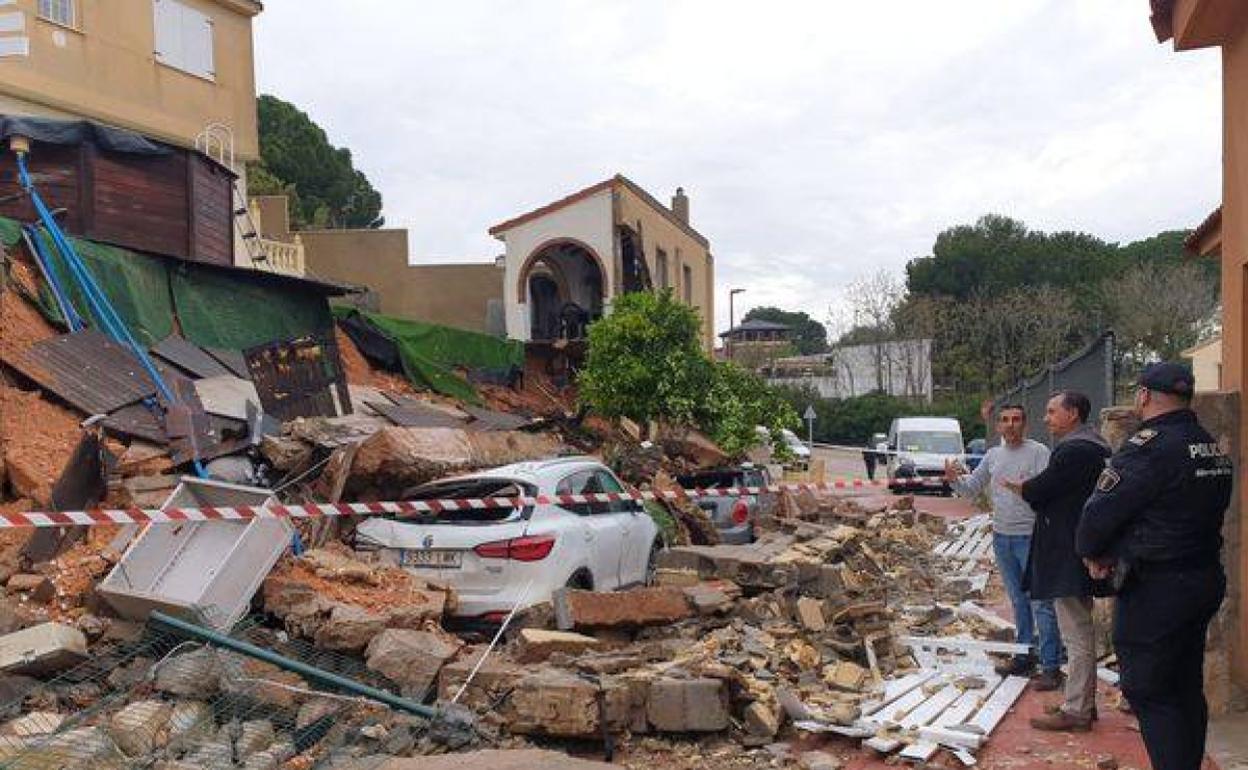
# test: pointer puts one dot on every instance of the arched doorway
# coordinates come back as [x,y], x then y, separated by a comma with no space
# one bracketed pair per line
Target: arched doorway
[562,282]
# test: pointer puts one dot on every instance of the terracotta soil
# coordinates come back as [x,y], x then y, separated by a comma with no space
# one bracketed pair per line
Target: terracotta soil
[20,325]
[360,372]
[390,587]
[37,437]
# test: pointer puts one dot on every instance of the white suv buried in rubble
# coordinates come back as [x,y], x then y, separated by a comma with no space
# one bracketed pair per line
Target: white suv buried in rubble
[490,556]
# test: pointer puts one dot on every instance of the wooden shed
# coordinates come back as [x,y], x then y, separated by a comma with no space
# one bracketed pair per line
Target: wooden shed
[177,203]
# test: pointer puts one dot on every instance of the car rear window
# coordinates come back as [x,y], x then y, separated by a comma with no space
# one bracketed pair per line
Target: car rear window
[461,489]
[711,479]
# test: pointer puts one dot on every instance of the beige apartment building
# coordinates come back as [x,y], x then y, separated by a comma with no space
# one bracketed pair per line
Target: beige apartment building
[168,69]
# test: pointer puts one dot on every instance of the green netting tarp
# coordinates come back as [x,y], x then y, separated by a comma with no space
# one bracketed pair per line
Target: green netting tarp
[136,285]
[226,310]
[430,354]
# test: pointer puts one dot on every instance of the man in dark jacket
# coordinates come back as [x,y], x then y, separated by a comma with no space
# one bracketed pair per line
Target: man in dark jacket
[1054,569]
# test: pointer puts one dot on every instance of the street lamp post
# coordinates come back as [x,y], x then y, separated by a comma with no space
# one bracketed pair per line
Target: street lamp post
[732,294]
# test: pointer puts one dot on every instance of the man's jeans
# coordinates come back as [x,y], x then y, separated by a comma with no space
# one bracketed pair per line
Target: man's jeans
[1029,617]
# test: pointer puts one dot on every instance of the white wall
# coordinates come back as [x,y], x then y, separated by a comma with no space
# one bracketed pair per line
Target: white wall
[904,366]
[589,221]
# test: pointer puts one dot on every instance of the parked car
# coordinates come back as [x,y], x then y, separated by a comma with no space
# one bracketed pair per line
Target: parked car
[490,556]
[801,452]
[734,515]
[976,448]
[919,447]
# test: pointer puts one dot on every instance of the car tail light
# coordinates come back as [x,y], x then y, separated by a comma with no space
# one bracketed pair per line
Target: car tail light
[740,512]
[533,548]
[493,617]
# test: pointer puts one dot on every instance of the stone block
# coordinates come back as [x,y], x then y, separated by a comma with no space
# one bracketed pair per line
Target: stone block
[139,728]
[411,659]
[761,719]
[194,674]
[846,675]
[42,649]
[38,587]
[810,613]
[536,644]
[254,736]
[712,598]
[348,629]
[189,723]
[621,609]
[492,681]
[687,705]
[33,724]
[818,760]
[554,703]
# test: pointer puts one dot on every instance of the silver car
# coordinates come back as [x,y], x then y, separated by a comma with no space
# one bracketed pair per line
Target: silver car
[733,515]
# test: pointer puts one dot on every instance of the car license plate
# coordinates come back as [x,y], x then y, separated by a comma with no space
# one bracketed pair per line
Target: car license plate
[432,559]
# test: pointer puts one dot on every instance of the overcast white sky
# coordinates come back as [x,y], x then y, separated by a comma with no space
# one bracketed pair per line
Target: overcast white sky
[818,141]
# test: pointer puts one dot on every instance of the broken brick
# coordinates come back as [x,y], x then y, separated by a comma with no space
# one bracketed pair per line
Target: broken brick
[687,705]
[536,644]
[619,609]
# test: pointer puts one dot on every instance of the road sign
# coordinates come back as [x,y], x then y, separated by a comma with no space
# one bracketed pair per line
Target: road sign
[809,417]
[810,414]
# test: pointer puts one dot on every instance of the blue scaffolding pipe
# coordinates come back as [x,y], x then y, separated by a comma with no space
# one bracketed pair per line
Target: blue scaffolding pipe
[100,306]
[44,260]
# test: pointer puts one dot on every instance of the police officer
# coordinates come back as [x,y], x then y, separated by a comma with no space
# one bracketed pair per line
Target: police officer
[1154,525]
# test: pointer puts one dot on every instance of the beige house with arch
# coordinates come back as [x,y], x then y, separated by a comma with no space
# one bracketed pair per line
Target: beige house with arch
[566,261]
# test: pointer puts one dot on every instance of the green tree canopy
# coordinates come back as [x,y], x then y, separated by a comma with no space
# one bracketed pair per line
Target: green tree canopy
[297,159]
[644,361]
[810,337]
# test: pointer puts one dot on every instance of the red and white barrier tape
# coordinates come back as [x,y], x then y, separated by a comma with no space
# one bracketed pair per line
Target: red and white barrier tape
[99,517]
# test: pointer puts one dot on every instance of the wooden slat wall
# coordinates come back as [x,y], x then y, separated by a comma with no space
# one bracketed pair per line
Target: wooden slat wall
[140,202]
[178,204]
[56,170]
[212,238]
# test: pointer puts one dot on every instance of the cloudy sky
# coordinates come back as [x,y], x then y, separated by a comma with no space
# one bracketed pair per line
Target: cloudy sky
[818,141]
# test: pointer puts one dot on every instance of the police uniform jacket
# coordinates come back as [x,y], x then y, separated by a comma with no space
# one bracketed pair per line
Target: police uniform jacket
[1162,497]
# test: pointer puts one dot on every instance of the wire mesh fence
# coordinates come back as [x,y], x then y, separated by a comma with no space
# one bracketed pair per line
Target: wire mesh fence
[1089,371]
[163,700]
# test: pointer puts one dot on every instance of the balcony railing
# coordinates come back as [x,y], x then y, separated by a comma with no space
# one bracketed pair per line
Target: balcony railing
[283,257]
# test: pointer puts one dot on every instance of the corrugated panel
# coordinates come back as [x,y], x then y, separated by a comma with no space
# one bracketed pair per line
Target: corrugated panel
[488,419]
[232,360]
[189,357]
[137,421]
[87,370]
[415,416]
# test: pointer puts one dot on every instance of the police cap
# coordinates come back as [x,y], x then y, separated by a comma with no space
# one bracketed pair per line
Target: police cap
[1168,377]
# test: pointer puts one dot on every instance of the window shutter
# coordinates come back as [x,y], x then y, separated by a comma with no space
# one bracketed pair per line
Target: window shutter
[197,43]
[168,21]
[184,38]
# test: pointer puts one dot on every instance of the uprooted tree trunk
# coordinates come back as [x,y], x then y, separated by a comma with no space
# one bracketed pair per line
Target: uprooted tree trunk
[690,518]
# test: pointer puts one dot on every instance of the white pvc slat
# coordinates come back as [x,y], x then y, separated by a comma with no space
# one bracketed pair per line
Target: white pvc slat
[999,703]
[932,708]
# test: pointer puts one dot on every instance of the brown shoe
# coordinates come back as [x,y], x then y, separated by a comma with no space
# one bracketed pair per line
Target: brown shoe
[1051,710]
[1061,722]
[1047,681]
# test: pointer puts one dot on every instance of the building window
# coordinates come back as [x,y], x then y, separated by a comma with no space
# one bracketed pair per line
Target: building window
[687,283]
[661,268]
[59,12]
[184,38]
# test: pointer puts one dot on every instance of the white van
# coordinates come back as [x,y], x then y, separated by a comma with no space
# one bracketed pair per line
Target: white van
[918,448]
